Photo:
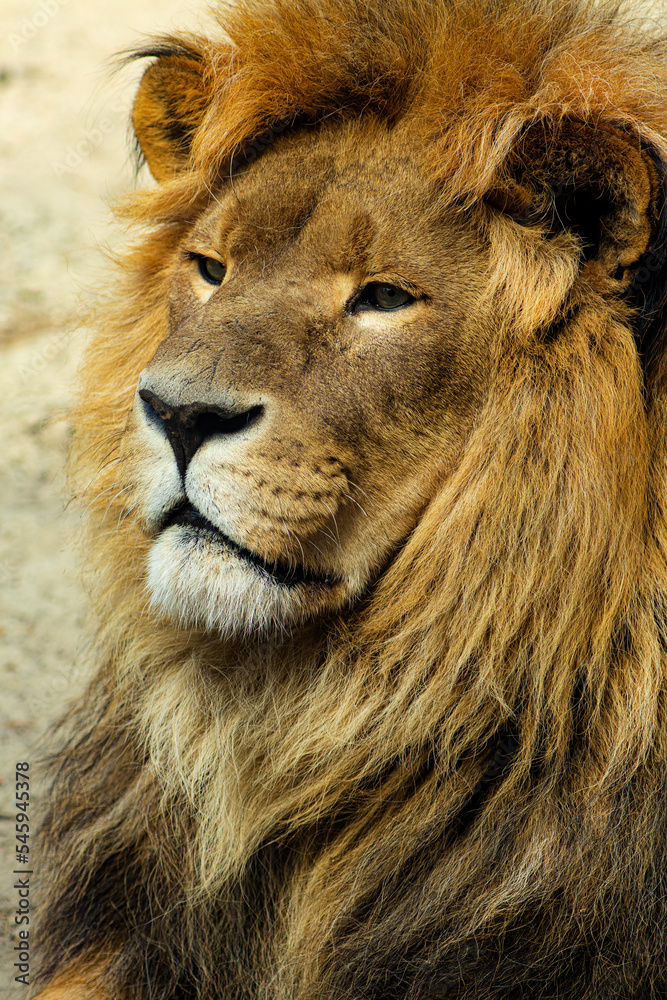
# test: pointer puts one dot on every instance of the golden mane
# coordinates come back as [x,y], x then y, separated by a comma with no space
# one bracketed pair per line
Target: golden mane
[520,631]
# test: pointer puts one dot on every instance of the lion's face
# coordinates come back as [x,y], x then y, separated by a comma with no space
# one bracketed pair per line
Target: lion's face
[325,359]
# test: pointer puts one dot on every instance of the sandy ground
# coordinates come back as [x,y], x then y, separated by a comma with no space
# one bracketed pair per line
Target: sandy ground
[63,156]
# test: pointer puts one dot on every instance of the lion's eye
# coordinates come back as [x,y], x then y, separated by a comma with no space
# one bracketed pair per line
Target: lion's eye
[378,296]
[211,270]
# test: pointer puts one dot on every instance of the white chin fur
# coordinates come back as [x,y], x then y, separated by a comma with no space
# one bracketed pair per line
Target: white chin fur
[196,582]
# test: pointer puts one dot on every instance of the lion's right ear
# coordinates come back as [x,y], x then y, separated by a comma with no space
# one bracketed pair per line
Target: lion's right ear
[169,107]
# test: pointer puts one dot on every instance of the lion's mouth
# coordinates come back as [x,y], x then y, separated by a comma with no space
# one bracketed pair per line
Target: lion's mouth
[288,575]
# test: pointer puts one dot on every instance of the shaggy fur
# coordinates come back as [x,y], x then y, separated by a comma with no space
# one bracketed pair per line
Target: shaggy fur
[451,782]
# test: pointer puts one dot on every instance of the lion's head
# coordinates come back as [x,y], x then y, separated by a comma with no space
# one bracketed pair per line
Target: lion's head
[373,444]
[335,318]
[328,350]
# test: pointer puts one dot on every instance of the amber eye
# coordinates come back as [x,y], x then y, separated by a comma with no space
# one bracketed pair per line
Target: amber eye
[211,270]
[378,296]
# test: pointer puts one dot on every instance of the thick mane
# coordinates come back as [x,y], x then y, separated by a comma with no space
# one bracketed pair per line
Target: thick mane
[509,665]
[521,63]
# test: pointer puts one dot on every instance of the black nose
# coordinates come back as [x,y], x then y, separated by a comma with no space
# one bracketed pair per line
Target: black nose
[190,425]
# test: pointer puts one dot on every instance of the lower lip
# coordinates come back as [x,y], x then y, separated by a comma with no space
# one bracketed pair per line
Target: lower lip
[286,576]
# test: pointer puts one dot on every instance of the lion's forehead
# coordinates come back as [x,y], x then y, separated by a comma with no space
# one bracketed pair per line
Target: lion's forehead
[351,205]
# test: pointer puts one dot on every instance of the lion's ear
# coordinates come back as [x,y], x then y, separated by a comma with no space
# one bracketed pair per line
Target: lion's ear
[169,107]
[607,186]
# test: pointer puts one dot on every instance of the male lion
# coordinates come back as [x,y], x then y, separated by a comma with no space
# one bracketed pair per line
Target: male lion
[373,443]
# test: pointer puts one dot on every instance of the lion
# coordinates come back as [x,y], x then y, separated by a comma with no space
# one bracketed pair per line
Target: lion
[371,435]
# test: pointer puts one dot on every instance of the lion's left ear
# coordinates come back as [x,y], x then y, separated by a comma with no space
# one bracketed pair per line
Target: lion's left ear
[607,185]
[169,107]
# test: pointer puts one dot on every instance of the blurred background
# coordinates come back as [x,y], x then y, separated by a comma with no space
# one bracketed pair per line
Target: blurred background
[64,157]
